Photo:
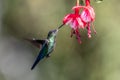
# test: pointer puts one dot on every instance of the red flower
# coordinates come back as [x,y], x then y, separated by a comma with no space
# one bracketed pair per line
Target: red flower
[83,20]
[88,17]
[74,20]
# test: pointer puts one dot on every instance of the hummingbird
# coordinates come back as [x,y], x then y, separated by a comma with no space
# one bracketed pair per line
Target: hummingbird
[46,46]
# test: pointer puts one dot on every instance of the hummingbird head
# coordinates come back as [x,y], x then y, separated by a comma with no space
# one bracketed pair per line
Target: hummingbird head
[52,33]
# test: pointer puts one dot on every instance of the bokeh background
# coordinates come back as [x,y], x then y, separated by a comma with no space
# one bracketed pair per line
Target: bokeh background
[97,58]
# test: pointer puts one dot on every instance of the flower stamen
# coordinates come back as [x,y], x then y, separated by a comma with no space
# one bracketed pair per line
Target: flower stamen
[93,28]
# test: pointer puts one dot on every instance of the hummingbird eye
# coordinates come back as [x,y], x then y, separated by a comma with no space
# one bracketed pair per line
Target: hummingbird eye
[52,32]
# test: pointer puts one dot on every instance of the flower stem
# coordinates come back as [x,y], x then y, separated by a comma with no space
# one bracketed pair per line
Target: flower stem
[77,3]
[87,2]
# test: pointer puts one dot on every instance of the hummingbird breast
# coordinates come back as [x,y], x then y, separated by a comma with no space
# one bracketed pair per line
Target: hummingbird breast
[51,45]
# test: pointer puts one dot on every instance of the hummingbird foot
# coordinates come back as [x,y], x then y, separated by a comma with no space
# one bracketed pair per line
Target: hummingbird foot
[47,56]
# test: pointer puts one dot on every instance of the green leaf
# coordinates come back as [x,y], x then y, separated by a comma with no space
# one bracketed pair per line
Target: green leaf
[81,2]
[98,1]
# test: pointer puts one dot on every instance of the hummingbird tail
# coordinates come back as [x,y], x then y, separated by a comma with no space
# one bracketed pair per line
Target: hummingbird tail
[35,63]
[40,56]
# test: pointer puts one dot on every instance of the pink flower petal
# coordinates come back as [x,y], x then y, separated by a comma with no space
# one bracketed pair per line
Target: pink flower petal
[78,7]
[92,13]
[85,16]
[67,18]
[73,24]
[80,23]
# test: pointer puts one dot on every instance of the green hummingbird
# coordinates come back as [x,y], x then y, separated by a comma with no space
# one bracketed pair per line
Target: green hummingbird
[46,46]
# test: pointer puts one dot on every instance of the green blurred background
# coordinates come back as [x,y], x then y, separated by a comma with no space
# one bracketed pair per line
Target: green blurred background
[97,58]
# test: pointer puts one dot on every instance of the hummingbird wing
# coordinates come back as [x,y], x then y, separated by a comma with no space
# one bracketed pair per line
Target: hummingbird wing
[41,55]
[36,42]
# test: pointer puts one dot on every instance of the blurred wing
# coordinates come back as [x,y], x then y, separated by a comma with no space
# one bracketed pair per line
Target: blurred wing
[41,55]
[36,42]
